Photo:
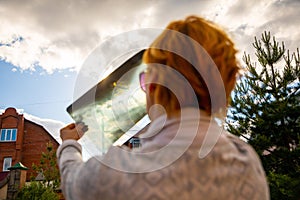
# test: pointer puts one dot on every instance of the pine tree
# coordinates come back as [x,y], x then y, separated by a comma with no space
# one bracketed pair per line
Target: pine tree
[266,113]
[46,189]
[48,167]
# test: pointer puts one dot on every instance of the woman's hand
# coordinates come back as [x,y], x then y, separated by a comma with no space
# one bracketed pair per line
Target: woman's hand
[73,131]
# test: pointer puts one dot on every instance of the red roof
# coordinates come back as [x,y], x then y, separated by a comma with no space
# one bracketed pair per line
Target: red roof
[3,175]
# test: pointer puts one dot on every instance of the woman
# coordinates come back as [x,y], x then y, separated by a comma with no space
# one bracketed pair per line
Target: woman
[191,71]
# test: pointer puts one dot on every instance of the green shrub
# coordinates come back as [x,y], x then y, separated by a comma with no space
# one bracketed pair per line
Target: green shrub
[37,191]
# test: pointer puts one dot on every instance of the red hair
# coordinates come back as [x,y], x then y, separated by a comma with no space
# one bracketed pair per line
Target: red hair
[218,46]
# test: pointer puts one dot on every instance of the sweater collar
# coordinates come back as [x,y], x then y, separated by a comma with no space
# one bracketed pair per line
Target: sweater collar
[187,115]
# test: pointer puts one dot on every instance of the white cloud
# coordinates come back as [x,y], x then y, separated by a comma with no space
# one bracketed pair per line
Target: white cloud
[247,19]
[58,34]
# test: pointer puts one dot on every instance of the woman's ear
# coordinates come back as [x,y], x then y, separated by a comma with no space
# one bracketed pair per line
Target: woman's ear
[151,79]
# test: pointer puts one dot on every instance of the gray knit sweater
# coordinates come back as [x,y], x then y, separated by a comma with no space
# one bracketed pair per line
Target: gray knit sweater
[187,158]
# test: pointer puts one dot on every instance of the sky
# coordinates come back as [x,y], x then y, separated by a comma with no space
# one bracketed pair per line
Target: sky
[43,44]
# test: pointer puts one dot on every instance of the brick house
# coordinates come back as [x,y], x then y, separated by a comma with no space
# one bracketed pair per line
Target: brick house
[21,141]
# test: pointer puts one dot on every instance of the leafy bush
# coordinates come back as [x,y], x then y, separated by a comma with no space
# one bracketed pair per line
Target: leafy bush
[36,191]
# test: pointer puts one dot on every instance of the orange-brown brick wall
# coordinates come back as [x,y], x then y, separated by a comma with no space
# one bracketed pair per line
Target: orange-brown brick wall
[7,149]
[31,141]
[34,143]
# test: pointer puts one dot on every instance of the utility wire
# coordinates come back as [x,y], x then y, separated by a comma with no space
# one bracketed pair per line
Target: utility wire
[40,103]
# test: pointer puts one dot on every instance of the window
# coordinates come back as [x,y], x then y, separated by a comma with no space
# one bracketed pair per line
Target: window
[7,163]
[134,142]
[8,134]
